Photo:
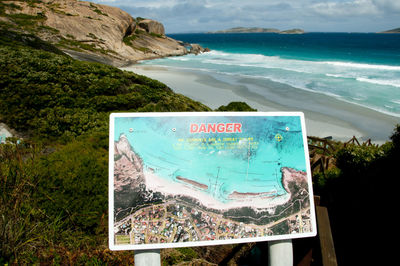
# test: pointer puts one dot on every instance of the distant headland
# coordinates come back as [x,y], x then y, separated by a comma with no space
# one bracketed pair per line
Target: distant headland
[397,30]
[258,30]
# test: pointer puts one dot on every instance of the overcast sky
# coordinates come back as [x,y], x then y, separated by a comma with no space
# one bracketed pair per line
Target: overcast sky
[180,16]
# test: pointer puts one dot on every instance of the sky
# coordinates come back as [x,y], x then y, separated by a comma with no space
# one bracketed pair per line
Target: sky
[184,16]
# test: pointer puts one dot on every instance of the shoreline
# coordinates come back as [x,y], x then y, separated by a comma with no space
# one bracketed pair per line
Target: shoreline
[168,188]
[325,116]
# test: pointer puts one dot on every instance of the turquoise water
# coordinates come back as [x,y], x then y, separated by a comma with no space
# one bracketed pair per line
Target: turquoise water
[249,161]
[362,69]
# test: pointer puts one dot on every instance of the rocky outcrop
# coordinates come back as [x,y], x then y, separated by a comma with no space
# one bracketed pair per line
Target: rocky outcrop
[197,49]
[128,169]
[152,26]
[94,32]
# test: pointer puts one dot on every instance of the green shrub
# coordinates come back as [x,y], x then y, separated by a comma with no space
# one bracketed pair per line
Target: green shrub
[361,195]
[25,20]
[53,196]
[236,106]
[128,39]
[73,182]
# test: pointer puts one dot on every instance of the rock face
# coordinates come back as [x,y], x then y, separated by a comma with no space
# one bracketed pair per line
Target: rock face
[197,49]
[128,168]
[95,32]
[152,26]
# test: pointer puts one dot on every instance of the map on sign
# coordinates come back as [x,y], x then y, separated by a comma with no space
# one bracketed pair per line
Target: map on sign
[192,179]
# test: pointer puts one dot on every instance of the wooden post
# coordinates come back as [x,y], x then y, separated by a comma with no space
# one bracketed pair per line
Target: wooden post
[325,237]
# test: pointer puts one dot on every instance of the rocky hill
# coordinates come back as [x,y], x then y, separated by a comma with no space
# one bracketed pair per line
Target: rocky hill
[91,31]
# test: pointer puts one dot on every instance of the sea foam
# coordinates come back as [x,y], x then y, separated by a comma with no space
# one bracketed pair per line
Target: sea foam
[362,83]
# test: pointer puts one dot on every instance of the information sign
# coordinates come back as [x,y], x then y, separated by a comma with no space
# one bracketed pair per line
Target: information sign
[192,179]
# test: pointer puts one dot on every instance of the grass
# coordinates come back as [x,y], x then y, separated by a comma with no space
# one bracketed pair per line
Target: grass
[25,20]
[128,39]
[122,239]
[97,10]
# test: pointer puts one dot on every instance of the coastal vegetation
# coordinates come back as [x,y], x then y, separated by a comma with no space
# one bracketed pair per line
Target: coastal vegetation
[360,194]
[69,97]
[236,106]
[54,183]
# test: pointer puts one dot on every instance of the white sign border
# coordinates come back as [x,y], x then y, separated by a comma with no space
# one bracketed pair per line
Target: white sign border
[114,247]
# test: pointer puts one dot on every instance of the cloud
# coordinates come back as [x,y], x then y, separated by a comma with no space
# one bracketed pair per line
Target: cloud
[389,6]
[346,9]
[311,15]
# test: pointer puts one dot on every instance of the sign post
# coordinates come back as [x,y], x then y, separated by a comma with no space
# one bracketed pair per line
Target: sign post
[280,253]
[147,257]
[196,179]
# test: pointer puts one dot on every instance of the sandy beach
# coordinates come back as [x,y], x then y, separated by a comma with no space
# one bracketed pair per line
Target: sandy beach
[325,116]
[155,183]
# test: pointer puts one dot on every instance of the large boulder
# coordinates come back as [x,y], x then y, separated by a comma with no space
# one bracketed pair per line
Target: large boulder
[197,49]
[152,26]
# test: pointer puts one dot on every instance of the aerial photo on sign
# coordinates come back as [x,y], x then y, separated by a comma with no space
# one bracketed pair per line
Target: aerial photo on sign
[193,179]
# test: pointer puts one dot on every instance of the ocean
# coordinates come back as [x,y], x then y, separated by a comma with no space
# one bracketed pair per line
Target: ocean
[357,68]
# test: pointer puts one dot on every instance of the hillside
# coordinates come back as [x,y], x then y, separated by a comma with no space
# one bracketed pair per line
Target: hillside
[49,94]
[90,31]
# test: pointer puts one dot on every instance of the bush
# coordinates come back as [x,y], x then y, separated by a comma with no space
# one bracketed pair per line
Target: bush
[361,196]
[236,106]
[52,200]
[73,182]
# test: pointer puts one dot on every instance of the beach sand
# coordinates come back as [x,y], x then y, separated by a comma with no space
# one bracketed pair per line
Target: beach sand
[156,183]
[325,116]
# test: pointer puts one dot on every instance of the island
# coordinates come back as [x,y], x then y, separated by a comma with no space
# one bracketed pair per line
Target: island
[397,30]
[292,31]
[258,30]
